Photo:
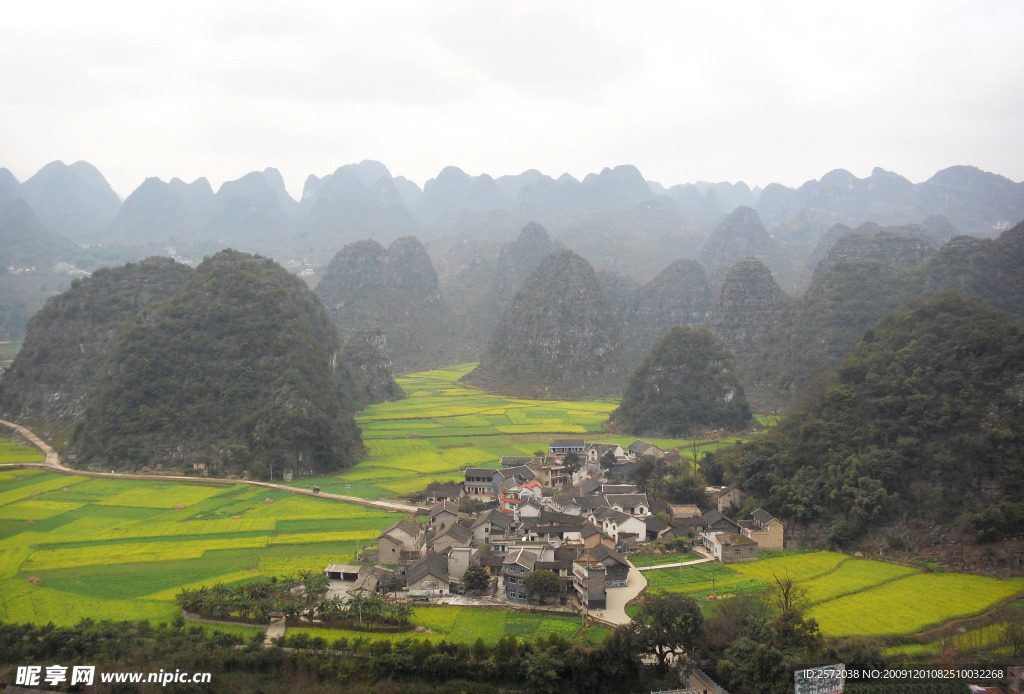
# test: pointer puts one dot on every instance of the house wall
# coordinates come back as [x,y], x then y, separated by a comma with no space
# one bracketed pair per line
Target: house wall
[430,582]
[771,538]
[443,519]
[443,544]
[389,551]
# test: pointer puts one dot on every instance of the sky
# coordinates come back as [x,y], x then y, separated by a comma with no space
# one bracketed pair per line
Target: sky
[775,91]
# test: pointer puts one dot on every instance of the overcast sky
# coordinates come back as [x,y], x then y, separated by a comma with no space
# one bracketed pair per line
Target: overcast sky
[752,91]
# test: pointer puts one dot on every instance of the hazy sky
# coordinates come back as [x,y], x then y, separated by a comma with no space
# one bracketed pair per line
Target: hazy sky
[753,91]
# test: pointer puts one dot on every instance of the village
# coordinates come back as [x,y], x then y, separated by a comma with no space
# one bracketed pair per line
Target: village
[558,526]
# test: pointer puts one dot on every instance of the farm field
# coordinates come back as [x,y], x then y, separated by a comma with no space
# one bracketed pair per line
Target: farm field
[849,596]
[114,549]
[467,624]
[443,427]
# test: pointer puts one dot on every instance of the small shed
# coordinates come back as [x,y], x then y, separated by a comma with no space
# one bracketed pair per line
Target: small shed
[342,572]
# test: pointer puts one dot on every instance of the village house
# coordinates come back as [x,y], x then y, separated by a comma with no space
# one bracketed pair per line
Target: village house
[529,509]
[678,512]
[639,448]
[767,530]
[551,473]
[508,461]
[510,497]
[460,559]
[518,563]
[589,582]
[616,524]
[443,515]
[716,521]
[399,541]
[729,548]
[560,448]
[633,504]
[443,491]
[596,451]
[479,483]
[490,526]
[615,565]
[454,535]
[618,489]
[725,497]
[429,574]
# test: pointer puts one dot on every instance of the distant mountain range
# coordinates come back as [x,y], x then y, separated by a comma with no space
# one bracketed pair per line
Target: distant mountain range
[610,210]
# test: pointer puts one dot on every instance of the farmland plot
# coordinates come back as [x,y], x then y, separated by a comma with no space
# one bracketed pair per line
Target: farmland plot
[106,548]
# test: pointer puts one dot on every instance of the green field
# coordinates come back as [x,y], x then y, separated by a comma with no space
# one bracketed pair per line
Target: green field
[849,596]
[13,451]
[443,427]
[467,624]
[118,548]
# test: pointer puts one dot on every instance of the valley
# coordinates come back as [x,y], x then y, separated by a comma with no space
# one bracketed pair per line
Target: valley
[77,547]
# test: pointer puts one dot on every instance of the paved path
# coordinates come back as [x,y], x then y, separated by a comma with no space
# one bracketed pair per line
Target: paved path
[615,612]
[53,463]
[676,565]
[274,631]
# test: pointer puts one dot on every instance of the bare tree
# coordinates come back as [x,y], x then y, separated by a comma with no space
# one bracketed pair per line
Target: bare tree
[786,594]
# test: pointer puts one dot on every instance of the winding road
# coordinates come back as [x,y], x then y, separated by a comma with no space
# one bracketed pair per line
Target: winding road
[54,464]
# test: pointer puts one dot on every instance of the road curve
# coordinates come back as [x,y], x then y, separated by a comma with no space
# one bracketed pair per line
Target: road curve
[54,464]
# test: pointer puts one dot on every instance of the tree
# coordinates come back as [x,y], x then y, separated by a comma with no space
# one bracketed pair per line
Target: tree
[1013,635]
[572,462]
[608,460]
[476,579]
[543,583]
[786,594]
[671,623]
[471,506]
[686,489]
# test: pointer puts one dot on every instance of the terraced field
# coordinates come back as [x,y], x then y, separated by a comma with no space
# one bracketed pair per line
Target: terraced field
[123,549]
[443,427]
[849,596]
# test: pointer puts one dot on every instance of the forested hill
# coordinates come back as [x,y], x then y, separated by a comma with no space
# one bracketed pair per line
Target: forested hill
[924,418]
[686,384]
[69,340]
[238,370]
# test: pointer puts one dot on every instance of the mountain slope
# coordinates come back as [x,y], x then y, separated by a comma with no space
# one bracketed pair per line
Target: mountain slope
[240,371]
[685,385]
[557,338]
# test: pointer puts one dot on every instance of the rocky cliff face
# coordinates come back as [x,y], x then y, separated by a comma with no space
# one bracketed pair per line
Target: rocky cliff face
[519,259]
[69,340]
[367,286]
[749,307]
[740,235]
[369,360]
[557,338]
[685,385]
[859,280]
[678,295]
